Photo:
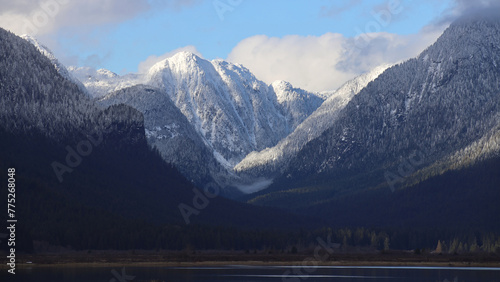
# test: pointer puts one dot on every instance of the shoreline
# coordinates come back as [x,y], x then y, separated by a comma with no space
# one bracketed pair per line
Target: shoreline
[183,259]
[255,263]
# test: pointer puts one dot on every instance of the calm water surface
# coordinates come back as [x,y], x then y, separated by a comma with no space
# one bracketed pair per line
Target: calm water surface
[256,273]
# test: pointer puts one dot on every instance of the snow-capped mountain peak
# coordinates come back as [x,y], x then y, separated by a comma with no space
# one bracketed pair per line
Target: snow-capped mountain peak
[233,112]
[106,73]
[229,107]
[180,62]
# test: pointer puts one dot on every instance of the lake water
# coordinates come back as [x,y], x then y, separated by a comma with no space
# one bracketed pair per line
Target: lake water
[256,273]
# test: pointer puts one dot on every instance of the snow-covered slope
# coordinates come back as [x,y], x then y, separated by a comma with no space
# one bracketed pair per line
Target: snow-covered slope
[59,67]
[101,82]
[38,96]
[234,112]
[270,161]
[297,104]
[443,101]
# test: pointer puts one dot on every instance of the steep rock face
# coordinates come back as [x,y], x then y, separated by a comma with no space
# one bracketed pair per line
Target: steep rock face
[230,109]
[272,161]
[169,131]
[297,104]
[442,101]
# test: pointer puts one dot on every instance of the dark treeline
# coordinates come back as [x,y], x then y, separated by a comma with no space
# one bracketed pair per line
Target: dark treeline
[106,211]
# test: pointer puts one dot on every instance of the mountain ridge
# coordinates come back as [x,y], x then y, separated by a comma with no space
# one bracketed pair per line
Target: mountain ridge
[233,112]
[110,189]
[428,105]
[274,160]
[249,114]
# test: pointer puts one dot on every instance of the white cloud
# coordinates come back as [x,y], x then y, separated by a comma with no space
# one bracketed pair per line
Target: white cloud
[319,63]
[324,62]
[47,16]
[48,20]
[145,65]
[369,50]
[307,62]
[466,6]
[462,8]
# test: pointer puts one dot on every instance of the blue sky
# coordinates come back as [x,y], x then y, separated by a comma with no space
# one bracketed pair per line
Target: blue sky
[156,32]
[271,38]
